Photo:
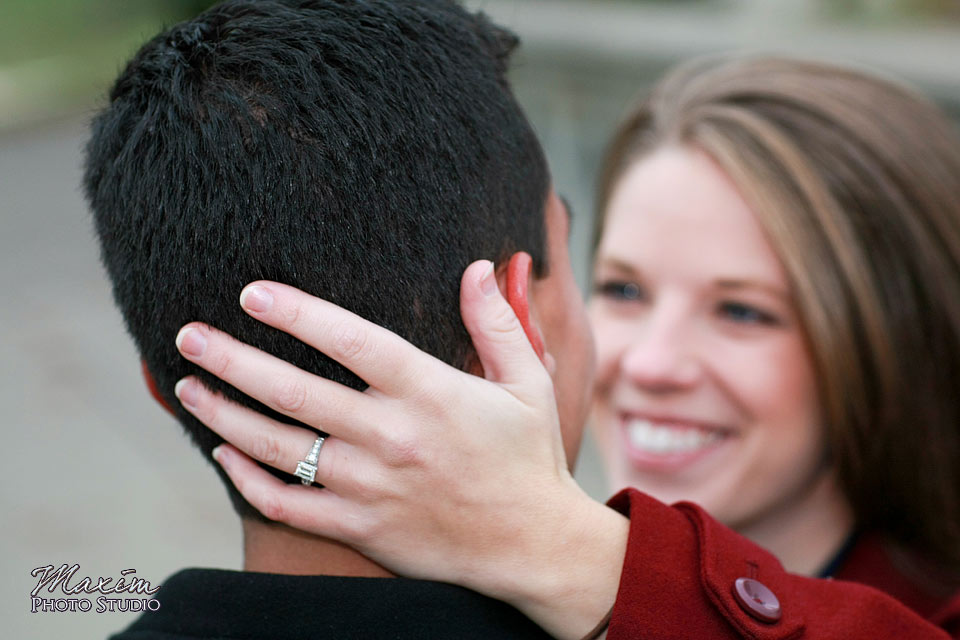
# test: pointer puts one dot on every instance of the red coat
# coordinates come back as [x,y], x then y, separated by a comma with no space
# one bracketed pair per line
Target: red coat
[680,580]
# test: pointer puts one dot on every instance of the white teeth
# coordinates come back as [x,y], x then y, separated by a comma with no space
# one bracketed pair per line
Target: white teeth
[663,439]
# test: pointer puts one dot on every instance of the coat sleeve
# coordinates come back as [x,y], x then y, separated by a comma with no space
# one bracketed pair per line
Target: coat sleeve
[680,580]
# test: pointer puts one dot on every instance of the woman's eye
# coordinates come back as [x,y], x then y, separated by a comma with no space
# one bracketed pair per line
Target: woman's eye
[617,290]
[746,314]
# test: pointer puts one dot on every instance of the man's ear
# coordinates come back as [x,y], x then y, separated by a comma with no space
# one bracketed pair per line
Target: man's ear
[152,386]
[518,296]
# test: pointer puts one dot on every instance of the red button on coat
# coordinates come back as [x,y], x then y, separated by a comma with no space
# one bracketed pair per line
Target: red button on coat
[756,599]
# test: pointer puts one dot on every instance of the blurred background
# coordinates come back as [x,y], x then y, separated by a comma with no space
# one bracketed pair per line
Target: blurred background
[97,474]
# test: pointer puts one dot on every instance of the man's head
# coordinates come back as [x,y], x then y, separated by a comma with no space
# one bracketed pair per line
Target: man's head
[365,152]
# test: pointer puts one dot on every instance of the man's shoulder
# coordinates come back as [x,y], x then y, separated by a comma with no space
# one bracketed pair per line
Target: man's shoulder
[215,603]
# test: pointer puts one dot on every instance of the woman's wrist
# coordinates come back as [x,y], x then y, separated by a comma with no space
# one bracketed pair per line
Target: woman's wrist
[580,572]
[586,574]
[564,571]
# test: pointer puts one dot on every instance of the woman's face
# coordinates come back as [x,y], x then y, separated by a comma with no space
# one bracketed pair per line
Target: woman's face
[705,387]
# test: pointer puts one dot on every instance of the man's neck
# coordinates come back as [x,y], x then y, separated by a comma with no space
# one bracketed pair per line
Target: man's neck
[276,548]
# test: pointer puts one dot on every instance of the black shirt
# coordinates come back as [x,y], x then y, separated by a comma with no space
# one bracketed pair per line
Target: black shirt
[212,603]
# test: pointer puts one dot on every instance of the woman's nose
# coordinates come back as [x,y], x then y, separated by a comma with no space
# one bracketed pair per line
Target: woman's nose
[661,356]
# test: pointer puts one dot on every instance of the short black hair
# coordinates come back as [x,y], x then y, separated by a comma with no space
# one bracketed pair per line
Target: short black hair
[365,151]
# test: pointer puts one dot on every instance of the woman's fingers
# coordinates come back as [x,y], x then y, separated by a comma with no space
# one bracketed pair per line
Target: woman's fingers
[381,358]
[501,343]
[321,512]
[276,383]
[273,443]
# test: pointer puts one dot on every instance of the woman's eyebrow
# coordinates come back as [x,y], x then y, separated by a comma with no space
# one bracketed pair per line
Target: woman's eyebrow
[616,264]
[745,283]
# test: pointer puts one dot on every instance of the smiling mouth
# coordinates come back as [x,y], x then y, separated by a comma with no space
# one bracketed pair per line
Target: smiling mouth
[655,441]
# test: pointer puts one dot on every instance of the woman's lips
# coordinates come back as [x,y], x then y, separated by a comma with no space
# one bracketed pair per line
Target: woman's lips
[659,444]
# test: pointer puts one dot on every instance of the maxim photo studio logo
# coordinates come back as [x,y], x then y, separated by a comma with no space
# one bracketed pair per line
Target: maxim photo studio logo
[126,593]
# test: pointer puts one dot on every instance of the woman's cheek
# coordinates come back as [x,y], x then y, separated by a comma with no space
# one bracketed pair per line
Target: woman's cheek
[773,383]
[607,336]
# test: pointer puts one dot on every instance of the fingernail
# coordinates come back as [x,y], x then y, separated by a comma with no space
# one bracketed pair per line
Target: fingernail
[488,282]
[256,299]
[221,456]
[186,392]
[191,342]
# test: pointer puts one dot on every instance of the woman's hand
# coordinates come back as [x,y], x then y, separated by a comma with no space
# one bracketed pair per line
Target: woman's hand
[432,472]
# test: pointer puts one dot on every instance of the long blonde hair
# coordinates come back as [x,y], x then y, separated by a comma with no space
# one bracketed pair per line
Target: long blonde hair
[856,182]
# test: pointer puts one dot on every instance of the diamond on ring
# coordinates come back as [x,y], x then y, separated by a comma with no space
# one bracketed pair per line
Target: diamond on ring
[307,468]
